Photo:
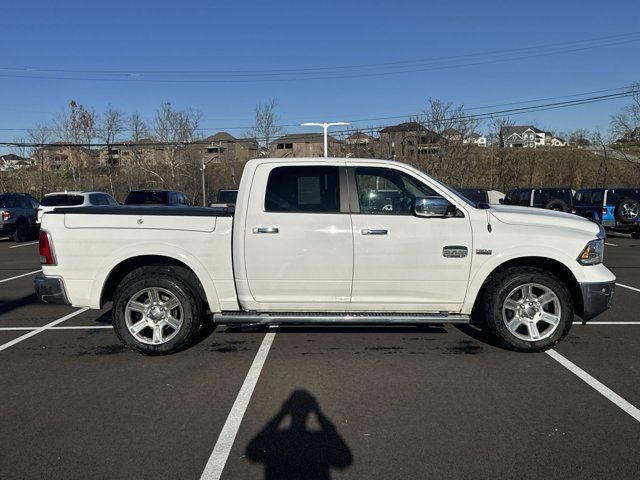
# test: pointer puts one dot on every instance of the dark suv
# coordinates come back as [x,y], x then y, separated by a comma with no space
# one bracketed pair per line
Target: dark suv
[559,199]
[158,197]
[616,209]
[18,214]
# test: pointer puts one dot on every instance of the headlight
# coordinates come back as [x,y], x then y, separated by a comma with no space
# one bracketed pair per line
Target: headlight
[592,254]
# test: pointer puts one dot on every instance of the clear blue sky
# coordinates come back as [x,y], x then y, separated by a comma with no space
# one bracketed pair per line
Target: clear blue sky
[161,35]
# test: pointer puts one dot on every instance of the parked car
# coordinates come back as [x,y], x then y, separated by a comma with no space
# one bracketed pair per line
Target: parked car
[559,199]
[616,209]
[482,195]
[300,246]
[73,199]
[158,197]
[18,216]
[227,196]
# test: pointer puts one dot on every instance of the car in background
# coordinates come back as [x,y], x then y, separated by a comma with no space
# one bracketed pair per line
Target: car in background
[227,196]
[616,209]
[18,216]
[73,199]
[158,197]
[559,199]
[481,195]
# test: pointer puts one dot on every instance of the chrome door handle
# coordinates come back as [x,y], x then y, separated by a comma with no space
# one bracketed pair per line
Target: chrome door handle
[368,231]
[265,230]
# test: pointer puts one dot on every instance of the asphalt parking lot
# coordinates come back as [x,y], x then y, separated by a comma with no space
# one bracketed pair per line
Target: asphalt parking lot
[315,402]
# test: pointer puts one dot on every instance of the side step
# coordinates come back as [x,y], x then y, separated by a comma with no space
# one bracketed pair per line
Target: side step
[331,318]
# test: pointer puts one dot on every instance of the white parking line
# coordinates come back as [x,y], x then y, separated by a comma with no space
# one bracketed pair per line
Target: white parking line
[627,286]
[595,384]
[24,244]
[608,323]
[218,458]
[606,243]
[74,327]
[19,276]
[41,329]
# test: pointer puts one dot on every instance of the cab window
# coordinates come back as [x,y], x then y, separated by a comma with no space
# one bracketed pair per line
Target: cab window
[385,191]
[303,189]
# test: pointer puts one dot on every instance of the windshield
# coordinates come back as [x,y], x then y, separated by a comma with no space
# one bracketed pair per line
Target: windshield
[476,195]
[62,200]
[148,197]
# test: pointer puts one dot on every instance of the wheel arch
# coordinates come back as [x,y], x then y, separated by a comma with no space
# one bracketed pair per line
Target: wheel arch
[551,265]
[125,267]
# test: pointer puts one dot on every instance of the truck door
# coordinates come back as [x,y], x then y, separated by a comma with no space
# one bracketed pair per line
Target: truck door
[401,261]
[298,241]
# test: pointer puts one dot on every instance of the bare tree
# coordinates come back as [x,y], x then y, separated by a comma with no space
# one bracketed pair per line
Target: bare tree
[40,135]
[440,116]
[109,129]
[496,129]
[74,126]
[176,129]
[265,127]
[579,138]
[599,139]
[625,123]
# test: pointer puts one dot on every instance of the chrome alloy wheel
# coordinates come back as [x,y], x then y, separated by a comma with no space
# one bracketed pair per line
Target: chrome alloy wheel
[531,312]
[630,210]
[154,315]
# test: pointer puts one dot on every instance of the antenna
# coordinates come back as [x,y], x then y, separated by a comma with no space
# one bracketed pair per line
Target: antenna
[325,127]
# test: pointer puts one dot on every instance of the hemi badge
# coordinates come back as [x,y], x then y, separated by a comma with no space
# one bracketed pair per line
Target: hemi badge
[483,251]
[454,251]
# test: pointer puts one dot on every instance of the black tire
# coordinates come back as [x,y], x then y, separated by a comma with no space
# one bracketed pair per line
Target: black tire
[557,204]
[22,231]
[166,279]
[495,294]
[627,210]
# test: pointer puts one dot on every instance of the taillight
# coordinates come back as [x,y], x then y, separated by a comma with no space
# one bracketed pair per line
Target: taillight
[6,215]
[573,210]
[46,250]
[604,211]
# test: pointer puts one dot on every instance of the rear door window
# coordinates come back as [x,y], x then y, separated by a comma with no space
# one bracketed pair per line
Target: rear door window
[596,197]
[524,198]
[303,189]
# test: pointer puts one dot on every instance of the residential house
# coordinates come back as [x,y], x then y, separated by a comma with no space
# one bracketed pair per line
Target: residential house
[632,136]
[525,136]
[453,135]
[11,161]
[360,145]
[224,147]
[557,142]
[409,139]
[60,156]
[302,145]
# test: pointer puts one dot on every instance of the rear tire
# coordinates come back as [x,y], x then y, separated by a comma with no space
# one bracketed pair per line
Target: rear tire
[557,204]
[22,232]
[156,312]
[627,210]
[513,319]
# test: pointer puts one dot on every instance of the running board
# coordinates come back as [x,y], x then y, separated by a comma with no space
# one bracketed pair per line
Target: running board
[364,318]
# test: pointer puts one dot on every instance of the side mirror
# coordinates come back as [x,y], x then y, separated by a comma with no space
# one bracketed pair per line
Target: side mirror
[433,207]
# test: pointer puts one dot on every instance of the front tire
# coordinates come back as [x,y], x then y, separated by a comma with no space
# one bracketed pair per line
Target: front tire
[526,309]
[156,312]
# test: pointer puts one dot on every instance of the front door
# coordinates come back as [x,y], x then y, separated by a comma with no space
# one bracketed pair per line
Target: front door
[401,261]
[298,240]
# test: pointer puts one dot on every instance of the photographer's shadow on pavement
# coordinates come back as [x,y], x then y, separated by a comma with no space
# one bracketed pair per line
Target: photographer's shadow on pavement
[296,451]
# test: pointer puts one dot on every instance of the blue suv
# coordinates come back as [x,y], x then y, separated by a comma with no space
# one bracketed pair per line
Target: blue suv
[616,209]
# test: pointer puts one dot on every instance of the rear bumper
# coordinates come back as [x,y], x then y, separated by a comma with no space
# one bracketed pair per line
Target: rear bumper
[596,298]
[50,290]
[7,229]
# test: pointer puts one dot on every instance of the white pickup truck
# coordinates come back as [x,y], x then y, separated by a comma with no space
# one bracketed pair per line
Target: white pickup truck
[328,241]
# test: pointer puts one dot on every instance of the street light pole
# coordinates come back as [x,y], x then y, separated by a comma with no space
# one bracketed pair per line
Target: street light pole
[325,127]
[204,192]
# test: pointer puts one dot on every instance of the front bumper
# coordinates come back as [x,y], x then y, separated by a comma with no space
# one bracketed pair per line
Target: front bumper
[596,298]
[50,290]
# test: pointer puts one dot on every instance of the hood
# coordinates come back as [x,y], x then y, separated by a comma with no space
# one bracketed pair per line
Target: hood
[543,218]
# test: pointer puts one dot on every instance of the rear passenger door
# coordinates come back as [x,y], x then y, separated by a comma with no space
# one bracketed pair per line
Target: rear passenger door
[298,246]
